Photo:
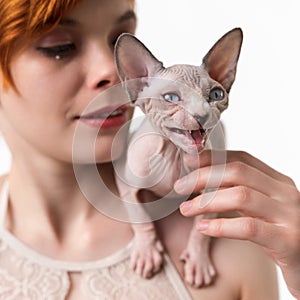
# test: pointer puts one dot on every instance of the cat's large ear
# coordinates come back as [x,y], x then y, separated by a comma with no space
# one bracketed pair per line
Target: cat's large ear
[221,60]
[134,60]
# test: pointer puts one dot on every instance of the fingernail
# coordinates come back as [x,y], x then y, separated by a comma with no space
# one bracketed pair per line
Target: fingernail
[180,185]
[186,206]
[203,225]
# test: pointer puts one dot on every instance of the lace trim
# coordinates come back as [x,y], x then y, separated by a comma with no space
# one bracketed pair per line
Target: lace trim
[120,282]
[3,203]
[22,279]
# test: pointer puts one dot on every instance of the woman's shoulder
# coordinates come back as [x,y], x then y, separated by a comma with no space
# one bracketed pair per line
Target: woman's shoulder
[247,264]
[243,269]
[3,178]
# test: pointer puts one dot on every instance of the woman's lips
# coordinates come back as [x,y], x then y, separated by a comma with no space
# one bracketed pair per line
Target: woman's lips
[106,118]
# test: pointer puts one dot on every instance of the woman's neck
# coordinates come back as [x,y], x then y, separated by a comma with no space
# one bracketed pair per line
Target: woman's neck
[50,214]
[51,196]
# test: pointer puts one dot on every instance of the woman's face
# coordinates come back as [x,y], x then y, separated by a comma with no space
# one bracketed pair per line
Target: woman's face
[58,75]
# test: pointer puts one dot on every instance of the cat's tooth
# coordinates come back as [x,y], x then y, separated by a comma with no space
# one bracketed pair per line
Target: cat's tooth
[116,112]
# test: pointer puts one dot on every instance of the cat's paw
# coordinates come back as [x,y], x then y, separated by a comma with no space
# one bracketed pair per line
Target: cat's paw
[146,257]
[198,268]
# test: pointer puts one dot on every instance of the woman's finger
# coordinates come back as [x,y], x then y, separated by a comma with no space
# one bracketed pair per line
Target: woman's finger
[206,158]
[242,199]
[244,228]
[233,174]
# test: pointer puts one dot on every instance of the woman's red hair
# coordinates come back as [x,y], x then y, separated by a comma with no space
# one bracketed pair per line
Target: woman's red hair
[26,20]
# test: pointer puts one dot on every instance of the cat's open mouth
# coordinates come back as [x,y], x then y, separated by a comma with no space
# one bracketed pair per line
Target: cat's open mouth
[191,139]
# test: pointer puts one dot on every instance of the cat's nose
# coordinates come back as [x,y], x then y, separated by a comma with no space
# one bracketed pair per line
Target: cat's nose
[201,119]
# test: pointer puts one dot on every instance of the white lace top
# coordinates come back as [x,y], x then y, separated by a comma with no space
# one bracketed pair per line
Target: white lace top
[27,274]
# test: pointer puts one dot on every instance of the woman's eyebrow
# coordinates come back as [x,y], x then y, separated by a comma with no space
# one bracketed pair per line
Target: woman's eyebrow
[69,22]
[129,15]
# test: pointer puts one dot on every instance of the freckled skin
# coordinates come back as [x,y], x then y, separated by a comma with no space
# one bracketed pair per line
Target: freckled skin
[156,147]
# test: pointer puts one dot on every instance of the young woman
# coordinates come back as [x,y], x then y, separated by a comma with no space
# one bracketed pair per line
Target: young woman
[56,56]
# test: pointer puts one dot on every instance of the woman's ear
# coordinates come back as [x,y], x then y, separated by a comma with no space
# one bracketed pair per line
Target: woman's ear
[135,63]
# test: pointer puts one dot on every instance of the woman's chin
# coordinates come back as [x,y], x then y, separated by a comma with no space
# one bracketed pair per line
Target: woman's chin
[109,148]
[102,148]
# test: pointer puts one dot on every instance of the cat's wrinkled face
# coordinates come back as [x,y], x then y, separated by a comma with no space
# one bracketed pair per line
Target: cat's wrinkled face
[183,103]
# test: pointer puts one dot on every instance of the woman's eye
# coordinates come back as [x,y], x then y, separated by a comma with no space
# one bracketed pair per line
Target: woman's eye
[216,94]
[114,41]
[171,97]
[61,51]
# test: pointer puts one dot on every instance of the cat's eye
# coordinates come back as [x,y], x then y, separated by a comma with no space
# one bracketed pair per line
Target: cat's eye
[216,94]
[171,97]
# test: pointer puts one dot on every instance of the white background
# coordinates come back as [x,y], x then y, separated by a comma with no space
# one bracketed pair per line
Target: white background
[263,116]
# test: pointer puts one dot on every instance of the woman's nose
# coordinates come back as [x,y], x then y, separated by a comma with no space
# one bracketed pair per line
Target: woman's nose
[102,69]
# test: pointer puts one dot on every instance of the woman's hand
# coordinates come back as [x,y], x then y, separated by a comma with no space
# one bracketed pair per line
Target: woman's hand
[268,204]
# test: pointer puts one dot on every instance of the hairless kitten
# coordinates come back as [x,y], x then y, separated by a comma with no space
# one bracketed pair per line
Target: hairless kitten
[182,103]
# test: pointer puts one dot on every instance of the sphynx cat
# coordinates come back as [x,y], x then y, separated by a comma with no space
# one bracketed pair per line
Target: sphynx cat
[182,104]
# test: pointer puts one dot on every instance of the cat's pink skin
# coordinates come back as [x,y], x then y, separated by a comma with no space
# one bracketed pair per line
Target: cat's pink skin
[169,118]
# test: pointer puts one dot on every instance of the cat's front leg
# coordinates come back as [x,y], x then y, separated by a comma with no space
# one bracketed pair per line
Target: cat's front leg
[198,267]
[146,255]
[146,252]
[142,168]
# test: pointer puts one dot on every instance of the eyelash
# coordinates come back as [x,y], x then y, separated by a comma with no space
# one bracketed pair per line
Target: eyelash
[63,51]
